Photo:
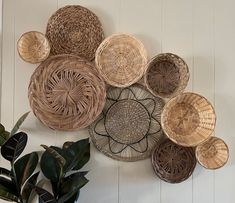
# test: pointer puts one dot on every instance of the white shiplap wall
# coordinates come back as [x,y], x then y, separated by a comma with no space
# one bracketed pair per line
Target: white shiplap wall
[201,31]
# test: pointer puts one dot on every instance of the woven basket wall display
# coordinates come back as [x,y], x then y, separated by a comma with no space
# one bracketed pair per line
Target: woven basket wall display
[33,47]
[173,163]
[213,153]
[66,93]
[167,75]
[129,127]
[188,119]
[74,30]
[121,60]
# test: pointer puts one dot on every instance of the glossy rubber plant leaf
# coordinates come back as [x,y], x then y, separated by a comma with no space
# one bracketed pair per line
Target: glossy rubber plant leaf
[69,197]
[33,193]
[14,146]
[19,123]
[45,196]
[4,135]
[85,158]
[8,186]
[25,166]
[7,196]
[5,172]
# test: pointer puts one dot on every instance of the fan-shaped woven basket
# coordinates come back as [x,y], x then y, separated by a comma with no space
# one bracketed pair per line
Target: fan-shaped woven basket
[173,163]
[33,47]
[66,93]
[129,127]
[188,119]
[74,30]
[213,153]
[167,75]
[121,59]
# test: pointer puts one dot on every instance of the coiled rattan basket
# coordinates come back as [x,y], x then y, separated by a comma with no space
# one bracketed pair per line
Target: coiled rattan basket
[121,59]
[167,75]
[74,30]
[33,47]
[66,93]
[188,119]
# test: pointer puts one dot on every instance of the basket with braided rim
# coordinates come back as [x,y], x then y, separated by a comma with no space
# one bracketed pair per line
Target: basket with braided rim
[66,92]
[188,119]
[173,163]
[33,47]
[167,75]
[121,59]
[74,30]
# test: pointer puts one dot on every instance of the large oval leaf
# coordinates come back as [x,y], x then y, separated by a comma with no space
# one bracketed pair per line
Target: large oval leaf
[44,195]
[8,186]
[69,197]
[25,166]
[4,135]
[19,123]
[5,172]
[14,146]
[8,196]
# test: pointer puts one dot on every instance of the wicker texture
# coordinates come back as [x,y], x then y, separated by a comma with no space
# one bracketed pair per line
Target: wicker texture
[213,153]
[173,163]
[33,47]
[66,93]
[74,30]
[188,119]
[121,60]
[129,127]
[167,75]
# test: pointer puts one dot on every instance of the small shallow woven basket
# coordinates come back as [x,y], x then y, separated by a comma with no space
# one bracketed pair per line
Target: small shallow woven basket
[188,119]
[33,47]
[213,153]
[66,93]
[121,59]
[74,30]
[173,163]
[167,75]
[129,127]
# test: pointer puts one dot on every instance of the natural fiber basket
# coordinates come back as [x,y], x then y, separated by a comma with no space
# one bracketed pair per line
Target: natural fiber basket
[74,30]
[213,153]
[188,119]
[167,75]
[129,127]
[121,59]
[33,47]
[173,163]
[66,93]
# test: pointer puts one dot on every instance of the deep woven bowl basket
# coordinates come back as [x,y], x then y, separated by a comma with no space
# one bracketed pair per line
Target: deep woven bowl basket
[74,30]
[33,47]
[173,163]
[66,93]
[213,153]
[121,59]
[167,75]
[188,119]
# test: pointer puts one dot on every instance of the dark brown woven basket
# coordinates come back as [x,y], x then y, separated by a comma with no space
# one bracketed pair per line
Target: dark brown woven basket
[173,163]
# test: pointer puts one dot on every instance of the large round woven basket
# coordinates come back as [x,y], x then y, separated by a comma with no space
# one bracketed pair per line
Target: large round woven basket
[167,75]
[74,30]
[213,153]
[121,59]
[129,127]
[188,119]
[33,47]
[66,93]
[173,163]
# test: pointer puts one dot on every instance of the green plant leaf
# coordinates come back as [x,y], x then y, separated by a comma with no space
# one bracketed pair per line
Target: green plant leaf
[8,186]
[5,172]
[4,135]
[85,158]
[14,146]
[33,193]
[67,145]
[25,166]
[19,123]
[45,196]
[69,197]
[7,196]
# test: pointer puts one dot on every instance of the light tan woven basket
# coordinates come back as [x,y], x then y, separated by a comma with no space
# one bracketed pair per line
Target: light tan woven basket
[167,75]
[121,59]
[188,119]
[75,30]
[66,93]
[213,153]
[33,47]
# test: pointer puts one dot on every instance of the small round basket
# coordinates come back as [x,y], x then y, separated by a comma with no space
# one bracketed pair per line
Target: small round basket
[167,75]
[121,59]
[213,153]
[74,30]
[66,93]
[173,163]
[188,119]
[33,47]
